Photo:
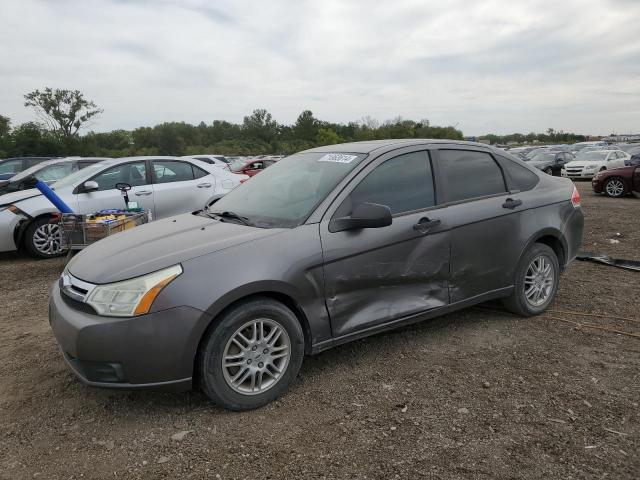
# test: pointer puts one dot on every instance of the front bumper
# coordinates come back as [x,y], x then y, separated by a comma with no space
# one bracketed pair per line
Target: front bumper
[8,223]
[584,174]
[597,185]
[150,351]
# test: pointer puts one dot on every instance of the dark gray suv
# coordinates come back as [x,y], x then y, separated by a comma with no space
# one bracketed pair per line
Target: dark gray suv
[327,246]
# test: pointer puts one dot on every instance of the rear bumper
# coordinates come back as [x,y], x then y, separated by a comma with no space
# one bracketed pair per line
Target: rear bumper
[573,234]
[150,351]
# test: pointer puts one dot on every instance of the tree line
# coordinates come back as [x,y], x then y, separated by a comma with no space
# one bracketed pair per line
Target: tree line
[551,136]
[61,114]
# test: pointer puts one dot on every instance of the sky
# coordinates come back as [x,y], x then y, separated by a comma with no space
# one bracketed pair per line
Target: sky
[486,66]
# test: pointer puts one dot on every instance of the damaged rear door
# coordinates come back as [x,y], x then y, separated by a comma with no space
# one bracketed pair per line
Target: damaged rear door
[377,275]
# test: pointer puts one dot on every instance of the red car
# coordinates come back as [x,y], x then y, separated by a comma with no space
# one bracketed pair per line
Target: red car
[619,181]
[252,167]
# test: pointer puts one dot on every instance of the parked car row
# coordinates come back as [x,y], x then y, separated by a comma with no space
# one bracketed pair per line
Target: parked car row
[588,163]
[165,186]
[12,166]
[49,171]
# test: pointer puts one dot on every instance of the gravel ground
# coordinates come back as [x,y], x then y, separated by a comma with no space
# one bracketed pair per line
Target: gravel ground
[475,394]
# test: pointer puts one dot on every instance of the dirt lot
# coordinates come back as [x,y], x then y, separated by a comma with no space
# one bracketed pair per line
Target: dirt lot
[475,394]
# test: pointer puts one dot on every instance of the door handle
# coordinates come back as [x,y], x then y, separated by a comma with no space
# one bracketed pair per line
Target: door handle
[510,203]
[425,224]
[144,193]
[204,185]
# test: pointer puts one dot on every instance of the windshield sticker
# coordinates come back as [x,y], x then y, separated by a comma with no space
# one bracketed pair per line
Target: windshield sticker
[337,158]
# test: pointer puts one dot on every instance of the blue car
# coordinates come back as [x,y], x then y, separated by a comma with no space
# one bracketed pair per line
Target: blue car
[11,166]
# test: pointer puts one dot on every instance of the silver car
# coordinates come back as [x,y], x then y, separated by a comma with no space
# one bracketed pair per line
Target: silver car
[165,186]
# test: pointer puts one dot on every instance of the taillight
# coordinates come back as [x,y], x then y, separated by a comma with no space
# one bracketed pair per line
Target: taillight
[242,180]
[575,197]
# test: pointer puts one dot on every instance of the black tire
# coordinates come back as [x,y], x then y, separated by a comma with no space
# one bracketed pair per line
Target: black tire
[29,240]
[518,302]
[608,189]
[548,171]
[210,371]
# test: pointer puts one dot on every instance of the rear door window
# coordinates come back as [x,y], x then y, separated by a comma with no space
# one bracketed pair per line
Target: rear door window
[170,171]
[403,183]
[469,174]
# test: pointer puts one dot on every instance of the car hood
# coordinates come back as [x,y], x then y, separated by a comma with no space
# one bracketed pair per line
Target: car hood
[159,245]
[15,197]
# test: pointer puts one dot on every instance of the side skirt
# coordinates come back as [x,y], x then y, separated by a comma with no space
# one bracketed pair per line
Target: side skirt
[418,317]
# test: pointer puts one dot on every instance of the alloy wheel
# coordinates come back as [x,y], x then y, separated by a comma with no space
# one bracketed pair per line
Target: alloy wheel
[47,239]
[256,356]
[538,281]
[614,188]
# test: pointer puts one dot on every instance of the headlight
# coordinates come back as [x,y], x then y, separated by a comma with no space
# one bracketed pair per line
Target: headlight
[131,297]
[591,167]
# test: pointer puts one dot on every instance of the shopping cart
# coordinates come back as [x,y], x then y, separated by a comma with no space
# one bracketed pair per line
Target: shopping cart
[79,231]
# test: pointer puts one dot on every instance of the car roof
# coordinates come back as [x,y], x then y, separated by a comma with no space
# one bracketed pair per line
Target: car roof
[153,157]
[379,146]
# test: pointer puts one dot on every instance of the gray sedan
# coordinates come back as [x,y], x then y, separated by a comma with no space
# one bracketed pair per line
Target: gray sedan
[327,246]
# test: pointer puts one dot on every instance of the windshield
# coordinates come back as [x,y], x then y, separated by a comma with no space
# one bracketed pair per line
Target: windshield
[79,175]
[596,156]
[30,170]
[544,157]
[237,165]
[285,194]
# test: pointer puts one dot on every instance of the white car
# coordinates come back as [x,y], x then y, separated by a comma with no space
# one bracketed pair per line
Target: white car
[587,164]
[219,161]
[166,186]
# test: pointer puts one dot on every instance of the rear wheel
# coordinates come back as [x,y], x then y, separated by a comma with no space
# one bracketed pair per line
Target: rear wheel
[536,281]
[614,187]
[252,355]
[43,239]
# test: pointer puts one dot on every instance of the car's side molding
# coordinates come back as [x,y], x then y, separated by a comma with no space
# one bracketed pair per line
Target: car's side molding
[415,318]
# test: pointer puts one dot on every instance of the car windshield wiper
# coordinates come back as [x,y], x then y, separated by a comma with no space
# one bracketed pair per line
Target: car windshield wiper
[232,215]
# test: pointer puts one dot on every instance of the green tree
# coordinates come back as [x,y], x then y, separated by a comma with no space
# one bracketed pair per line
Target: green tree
[5,125]
[64,112]
[327,136]
[306,127]
[260,125]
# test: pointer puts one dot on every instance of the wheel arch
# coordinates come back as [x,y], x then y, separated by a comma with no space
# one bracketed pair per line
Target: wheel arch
[18,233]
[554,239]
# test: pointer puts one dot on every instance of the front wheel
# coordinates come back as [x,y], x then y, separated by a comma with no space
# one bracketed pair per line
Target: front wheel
[252,355]
[536,282]
[548,171]
[43,239]
[614,187]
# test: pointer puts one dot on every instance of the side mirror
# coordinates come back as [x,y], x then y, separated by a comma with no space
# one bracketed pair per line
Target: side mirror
[365,215]
[90,186]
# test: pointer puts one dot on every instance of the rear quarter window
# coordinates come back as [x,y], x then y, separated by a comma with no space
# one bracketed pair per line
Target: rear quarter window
[469,174]
[518,176]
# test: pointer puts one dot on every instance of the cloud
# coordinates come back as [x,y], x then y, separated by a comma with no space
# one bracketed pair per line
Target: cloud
[491,66]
